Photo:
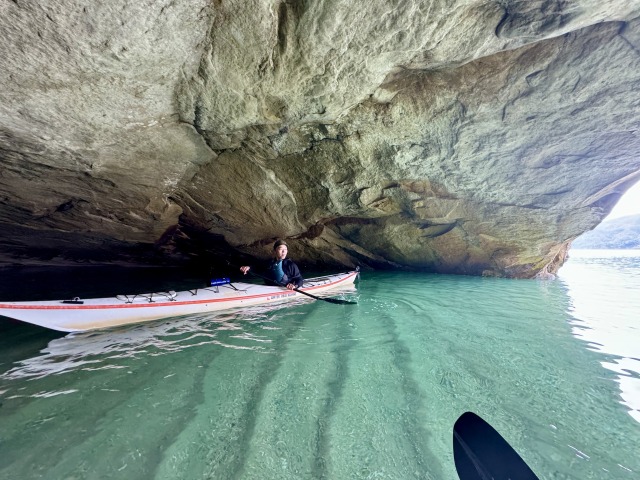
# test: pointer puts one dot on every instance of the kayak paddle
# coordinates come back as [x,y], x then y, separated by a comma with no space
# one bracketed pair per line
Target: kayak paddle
[480,453]
[337,301]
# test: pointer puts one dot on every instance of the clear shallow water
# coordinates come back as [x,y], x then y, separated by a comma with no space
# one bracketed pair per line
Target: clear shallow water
[319,390]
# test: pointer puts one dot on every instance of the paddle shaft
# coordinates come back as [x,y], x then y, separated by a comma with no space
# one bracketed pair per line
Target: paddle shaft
[337,301]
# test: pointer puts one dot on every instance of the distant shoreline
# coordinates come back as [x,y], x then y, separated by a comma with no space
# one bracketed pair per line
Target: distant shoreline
[621,233]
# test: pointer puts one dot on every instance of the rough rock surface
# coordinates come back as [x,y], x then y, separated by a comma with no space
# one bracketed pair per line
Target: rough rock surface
[475,137]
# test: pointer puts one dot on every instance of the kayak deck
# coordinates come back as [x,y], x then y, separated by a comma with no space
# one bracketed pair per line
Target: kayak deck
[95,313]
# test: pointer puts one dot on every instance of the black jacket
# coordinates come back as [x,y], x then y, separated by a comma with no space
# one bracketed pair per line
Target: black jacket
[291,272]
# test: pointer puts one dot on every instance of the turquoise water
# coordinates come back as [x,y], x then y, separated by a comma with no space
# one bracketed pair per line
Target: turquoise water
[319,390]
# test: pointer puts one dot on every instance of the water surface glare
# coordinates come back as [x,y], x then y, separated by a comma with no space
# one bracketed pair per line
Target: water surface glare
[318,390]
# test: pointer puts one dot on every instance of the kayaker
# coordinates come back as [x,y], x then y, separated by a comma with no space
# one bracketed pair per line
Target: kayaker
[282,270]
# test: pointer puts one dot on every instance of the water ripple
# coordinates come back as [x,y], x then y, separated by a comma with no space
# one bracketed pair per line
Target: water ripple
[110,349]
[604,290]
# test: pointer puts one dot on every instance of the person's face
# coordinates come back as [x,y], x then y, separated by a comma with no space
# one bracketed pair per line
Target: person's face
[281,252]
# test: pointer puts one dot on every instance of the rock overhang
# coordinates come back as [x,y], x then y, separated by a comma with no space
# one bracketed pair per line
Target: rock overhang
[478,138]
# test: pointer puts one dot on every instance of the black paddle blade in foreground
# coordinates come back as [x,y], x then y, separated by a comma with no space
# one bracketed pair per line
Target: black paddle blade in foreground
[480,453]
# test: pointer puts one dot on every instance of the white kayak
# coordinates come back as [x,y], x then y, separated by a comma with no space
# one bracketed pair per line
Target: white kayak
[94,313]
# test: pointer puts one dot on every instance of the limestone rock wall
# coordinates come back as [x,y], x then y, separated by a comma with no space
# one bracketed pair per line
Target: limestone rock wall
[475,137]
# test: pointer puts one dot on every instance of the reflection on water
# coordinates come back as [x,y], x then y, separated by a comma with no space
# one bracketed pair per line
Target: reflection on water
[604,287]
[317,390]
[106,349]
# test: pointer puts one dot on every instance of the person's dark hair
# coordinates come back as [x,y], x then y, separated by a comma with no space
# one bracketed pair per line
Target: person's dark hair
[278,243]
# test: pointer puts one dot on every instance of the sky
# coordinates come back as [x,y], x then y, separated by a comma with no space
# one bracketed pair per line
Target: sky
[629,204]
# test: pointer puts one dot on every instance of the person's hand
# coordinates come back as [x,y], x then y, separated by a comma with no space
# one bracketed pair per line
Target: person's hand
[244,270]
[291,286]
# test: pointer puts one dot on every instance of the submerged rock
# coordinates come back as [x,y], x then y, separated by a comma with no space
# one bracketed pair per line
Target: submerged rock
[468,137]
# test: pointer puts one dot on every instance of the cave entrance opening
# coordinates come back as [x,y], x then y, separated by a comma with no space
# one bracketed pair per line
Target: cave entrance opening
[629,204]
[620,230]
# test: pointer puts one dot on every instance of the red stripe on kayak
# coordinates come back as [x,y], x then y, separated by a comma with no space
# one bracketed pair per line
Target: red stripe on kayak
[163,304]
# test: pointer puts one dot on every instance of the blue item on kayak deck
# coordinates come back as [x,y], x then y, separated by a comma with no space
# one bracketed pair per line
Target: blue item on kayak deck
[219,281]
